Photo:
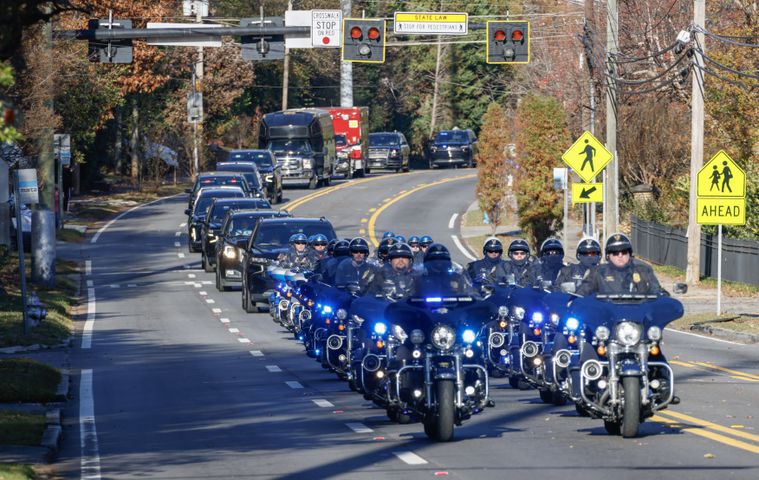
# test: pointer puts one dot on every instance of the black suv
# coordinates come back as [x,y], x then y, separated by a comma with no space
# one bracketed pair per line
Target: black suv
[197,214]
[270,238]
[251,174]
[267,167]
[235,231]
[453,148]
[209,230]
[216,179]
[389,150]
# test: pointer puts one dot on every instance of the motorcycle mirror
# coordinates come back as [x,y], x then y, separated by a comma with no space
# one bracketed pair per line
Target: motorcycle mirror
[547,284]
[680,288]
[187,211]
[568,287]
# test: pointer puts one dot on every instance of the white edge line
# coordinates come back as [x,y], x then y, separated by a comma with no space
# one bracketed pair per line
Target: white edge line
[122,214]
[90,463]
[88,267]
[293,384]
[89,325]
[452,221]
[461,247]
[273,368]
[410,458]
[257,353]
[704,337]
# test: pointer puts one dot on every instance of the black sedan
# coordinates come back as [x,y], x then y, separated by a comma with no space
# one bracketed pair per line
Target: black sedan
[267,166]
[270,238]
[197,215]
[211,226]
[236,229]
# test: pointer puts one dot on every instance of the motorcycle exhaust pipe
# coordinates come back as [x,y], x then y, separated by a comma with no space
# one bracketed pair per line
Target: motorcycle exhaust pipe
[530,349]
[371,363]
[334,342]
[592,370]
[497,340]
[563,358]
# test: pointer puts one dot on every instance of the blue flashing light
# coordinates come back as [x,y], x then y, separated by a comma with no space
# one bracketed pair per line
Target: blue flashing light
[326,309]
[433,299]
[537,317]
[380,328]
[469,336]
[318,351]
[573,323]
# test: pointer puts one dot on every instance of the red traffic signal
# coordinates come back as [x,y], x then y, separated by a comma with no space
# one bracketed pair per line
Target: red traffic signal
[374,33]
[499,36]
[517,36]
[356,33]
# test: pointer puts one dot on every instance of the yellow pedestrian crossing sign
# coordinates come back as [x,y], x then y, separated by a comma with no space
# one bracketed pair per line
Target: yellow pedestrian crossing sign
[587,157]
[721,177]
[587,192]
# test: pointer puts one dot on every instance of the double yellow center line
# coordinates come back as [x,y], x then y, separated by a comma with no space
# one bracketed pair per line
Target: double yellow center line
[707,429]
[712,368]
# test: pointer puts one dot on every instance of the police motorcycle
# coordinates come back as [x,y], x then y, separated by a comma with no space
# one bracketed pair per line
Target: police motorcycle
[437,373]
[285,305]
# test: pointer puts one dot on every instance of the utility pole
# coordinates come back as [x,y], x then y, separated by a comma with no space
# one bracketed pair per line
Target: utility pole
[590,213]
[611,195]
[693,270]
[198,86]
[433,117]
[286,68]
[346,68]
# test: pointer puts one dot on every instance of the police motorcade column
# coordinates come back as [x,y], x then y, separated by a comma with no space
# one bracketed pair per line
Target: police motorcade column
[397,281]
[317,249]
[588,254]
[624,376]
[297,254]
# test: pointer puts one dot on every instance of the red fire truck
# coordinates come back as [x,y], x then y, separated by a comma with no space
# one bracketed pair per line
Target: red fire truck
[351,139]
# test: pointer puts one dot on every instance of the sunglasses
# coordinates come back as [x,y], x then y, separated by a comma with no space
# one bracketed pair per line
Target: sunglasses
[519,254]
[299,243]
[590,254]
[617,254]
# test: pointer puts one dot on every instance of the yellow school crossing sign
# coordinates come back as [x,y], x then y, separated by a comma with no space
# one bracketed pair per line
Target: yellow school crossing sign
[721,190]
[587,157]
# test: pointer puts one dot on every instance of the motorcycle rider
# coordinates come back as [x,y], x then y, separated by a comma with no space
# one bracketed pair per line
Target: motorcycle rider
[491,269]
[318,249]
[383,249]
[424,242]
[519,260]
[413,242]
[400,239]
[388,234]
[622,273]
[297,255]
[355,273]
[397,281]
[546,269]
[328,266]
[588,253]
[441,275]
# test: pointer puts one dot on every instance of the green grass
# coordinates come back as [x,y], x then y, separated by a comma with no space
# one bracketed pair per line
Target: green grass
[473,218]
[737,289]
[57,327]
[16,472]
[736,323]
[69,235]
[27,381]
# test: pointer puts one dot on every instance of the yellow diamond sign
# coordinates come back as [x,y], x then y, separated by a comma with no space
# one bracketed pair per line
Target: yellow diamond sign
[587,157]
[721,177]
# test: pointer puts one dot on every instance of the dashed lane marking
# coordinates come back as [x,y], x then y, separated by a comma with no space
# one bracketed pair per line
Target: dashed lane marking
[359,427]
[191,275]
[180,255]
[210,301]
[183,224]
[234,330]
[294,384]
[257,353]
[243,340]
[177,234]
[88,267]
[320,402]
[89,325]
[410,458]
[273,368]
[216,310]
[224,320]
[202,293]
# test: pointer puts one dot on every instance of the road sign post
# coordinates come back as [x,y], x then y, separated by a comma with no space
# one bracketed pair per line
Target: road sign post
[25,189]
[721,200]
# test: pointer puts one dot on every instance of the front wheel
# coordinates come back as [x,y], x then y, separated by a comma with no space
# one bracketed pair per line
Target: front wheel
[207,267]
[313,183]
[631,418]
[546,396]
[446,410]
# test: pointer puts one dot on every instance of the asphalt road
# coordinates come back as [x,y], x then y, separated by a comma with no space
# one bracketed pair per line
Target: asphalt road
[180,383]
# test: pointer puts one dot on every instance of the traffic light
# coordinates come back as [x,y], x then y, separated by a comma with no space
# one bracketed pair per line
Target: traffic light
[508,42]
[364,40]
[109,51]
[260,47]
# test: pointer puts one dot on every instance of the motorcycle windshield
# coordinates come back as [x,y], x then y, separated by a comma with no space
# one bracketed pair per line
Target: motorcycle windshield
[593,312]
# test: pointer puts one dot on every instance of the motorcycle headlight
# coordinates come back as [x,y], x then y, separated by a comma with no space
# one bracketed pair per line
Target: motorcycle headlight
[654,333]
[380,328]
[230,251]
[574,324]
[555,318]
[518,312]
[602,333]
[537,317]
[269,178]
[469,336]
[417,336]
[628,333]
[399,333]
[341,314]
[443,337]
[503,310]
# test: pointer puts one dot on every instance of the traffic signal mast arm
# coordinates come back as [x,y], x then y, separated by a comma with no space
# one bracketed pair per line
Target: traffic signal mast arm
[162,33]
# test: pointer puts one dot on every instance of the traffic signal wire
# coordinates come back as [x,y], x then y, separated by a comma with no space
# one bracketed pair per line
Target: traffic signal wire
[728,38]
[725,67]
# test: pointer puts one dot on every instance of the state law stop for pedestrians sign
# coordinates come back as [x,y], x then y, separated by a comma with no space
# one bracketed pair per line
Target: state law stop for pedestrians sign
[325,28]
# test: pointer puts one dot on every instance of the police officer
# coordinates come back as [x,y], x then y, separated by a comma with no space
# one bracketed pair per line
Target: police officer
[297,255]
[622,273]
[400,239]
[317,249]
[440,276]
[413,242]
[424,242]
[491,269]
[383,249]
[519,260]
[397,281]
[388,234]
[355,273]
[588,253]
[328,266]
[546,269]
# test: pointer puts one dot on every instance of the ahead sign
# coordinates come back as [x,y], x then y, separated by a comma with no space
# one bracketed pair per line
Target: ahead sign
[325,28]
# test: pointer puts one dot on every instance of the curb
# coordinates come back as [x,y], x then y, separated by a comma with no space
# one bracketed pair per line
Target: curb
[62,392]
[35,348]
[724,333]
[48,449]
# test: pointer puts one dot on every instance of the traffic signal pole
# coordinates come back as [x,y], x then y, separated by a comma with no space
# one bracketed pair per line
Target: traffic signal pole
[198,86]
[611,190]
[346,68]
